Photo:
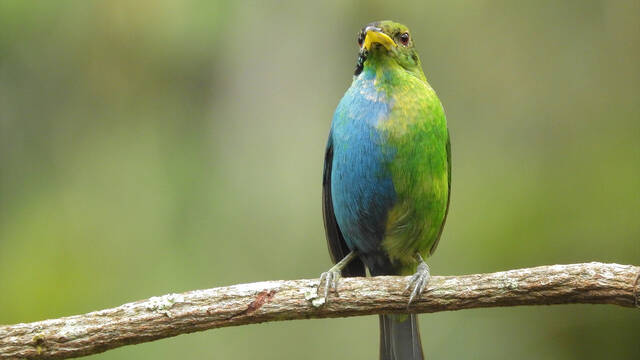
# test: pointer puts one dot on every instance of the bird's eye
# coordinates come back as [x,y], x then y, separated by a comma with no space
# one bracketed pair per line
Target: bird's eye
[360,39]
[404,39]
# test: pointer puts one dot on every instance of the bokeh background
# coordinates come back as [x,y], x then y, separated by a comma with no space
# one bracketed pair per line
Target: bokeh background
[149,147]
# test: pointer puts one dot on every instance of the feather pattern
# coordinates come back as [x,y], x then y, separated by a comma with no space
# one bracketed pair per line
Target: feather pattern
[387,175]
[389,170]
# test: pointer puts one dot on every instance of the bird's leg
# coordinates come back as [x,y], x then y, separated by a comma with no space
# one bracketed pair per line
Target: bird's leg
[331,277]
[419,280]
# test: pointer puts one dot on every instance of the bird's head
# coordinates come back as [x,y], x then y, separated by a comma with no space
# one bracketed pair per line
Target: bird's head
[387,42]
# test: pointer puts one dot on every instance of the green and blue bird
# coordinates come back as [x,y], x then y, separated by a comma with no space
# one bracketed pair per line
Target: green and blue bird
[387,176]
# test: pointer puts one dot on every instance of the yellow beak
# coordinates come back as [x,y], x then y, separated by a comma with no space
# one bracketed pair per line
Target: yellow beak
[374,36]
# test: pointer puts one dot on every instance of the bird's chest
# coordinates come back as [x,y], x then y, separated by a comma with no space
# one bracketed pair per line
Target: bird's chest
[362,187]
[357,127]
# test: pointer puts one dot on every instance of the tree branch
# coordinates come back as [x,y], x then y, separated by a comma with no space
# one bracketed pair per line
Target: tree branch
[174,314]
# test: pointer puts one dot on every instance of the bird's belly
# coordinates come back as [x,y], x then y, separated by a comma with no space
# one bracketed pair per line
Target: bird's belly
[362,190]
[386,218]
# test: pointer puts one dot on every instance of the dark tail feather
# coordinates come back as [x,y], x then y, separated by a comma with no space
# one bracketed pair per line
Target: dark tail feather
[400,338]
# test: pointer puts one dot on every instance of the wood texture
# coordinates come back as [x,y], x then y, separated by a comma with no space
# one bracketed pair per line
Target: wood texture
[174,314]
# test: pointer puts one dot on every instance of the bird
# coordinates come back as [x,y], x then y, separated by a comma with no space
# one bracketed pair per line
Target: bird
[387,177]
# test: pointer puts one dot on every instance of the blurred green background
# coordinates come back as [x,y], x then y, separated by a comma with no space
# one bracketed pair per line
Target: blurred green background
[149,147]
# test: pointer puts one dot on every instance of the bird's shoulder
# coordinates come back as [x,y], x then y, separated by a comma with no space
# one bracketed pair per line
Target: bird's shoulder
[416,107]
[362,106]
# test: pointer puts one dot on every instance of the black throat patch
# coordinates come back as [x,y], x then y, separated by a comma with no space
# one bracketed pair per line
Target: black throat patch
[362,57]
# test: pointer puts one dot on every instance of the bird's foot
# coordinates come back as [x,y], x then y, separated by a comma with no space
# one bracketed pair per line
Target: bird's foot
[330,280]
[418,281]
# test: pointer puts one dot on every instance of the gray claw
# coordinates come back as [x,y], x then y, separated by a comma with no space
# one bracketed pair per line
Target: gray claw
[330,280]
[418,282]
[331,277]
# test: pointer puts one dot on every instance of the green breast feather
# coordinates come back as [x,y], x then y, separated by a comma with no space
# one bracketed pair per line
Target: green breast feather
[417,133]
